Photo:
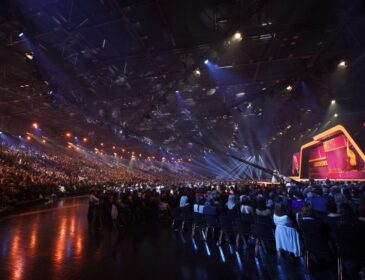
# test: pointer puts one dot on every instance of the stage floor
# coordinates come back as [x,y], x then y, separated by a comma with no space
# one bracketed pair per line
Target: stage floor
[55,243]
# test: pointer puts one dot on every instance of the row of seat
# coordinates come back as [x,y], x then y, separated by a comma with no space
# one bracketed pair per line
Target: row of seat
[263,230]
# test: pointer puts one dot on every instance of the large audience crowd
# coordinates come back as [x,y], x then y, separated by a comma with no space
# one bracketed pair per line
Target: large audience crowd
[315,219]
[27,175]
[321,220]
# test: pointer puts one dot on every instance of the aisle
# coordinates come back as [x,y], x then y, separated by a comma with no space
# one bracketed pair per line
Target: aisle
[55,243]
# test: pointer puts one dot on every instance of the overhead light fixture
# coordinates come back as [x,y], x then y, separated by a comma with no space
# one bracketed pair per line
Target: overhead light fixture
[29,55]
[289,88]
[35,125]
[342,64]
[85,139]
[29,138]
[333,101]
[21,35]
[237,36]
[197,72]
[68,134]
[44,141]
[335,115]
[206,61]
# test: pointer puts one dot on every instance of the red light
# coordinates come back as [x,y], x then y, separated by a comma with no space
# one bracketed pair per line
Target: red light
[102,144]
[35,125]
[29,138]
[85,139]
[44,141]
[68,134]
[113,147]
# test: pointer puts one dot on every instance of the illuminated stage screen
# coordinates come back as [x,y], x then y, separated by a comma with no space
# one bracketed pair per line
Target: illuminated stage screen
[332,154]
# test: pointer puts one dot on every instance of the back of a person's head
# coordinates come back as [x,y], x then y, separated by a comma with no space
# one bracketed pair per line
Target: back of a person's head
[307,211]
[345,209]
[260,204]
[331,206]
[279,209]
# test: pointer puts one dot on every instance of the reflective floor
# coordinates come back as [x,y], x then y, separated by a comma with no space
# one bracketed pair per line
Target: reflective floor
[54,242]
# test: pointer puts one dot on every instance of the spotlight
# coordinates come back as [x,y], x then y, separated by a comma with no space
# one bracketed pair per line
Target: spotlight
[113,147]
[69,146]
[197,72]
[21,35]
[29,138]
[342,64]
[20,137]
[1,132]
[102,144]
[35,125]
[176,91]
[206,61]
[335,115]
[85,139]
[237,36]
[289,88]
[333,102]
[68,134]
[44,141]
[29,55]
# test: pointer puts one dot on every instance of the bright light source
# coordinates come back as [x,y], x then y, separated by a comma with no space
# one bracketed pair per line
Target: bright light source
[44,141]
[289,88]
[69,146]
[102,144]
[176,91]
[35,125]
[113,147]
[197,72]
[333,102]
[29,55]
[68,134]
[342,64]
[21,35]
[264,88]
[1,132]
[335,115]
[237,36]
[85,139]
[206,61]
[29,138]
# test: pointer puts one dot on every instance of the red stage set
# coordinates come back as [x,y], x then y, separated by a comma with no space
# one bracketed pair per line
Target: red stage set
[332,154]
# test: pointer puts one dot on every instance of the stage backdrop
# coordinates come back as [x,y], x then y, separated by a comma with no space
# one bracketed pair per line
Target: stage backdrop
[332,154]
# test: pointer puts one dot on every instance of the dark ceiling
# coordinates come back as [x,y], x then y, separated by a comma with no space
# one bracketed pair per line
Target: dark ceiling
[113,68]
